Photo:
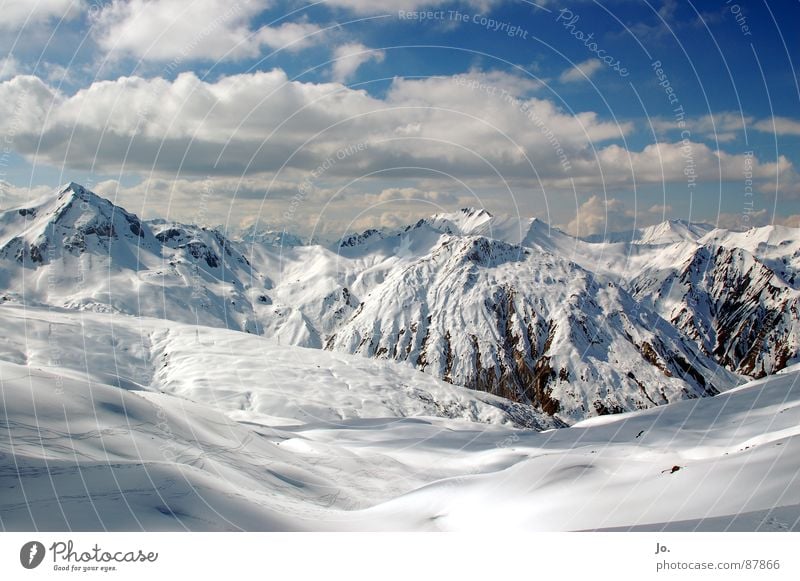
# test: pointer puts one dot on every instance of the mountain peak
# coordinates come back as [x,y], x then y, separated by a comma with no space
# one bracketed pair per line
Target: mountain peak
[470,212]
[467,220]
[74,188]
[672,231]
[76,191]
[75,221]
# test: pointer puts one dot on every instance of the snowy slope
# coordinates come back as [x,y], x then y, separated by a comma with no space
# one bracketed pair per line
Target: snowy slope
[246,376]
[696,464]
[671,232]
[79,251]
[78,452]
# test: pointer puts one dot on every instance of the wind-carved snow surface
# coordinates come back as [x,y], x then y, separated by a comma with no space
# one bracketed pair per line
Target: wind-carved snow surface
[163,376]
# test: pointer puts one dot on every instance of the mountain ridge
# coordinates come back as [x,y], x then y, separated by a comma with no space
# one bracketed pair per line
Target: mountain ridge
[505,305]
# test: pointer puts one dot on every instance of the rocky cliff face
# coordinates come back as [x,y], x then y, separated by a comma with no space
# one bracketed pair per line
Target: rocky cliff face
[735,308]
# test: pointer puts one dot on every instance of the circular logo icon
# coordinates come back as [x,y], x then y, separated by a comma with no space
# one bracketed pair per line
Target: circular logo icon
[31,554]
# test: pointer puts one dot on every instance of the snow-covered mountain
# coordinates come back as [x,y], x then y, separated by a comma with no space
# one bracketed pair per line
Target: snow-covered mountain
[731,304]
[667,232]
[507,305]
[163,376]
[70,224]
[269,237]
[78,250]
[778,247]
[734,294]
[529,326]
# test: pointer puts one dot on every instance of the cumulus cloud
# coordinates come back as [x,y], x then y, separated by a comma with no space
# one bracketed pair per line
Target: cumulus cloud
[482,129]
[383,217]
[581,71]
[262,121]
[19,13]
[598,215]
[165,30]
[289,35]
[660,209]
[176,199]
[679,162]
[236,203]
[755,219]
[793,221]
[349,57]
[783,182]
[742,220]
[380,6]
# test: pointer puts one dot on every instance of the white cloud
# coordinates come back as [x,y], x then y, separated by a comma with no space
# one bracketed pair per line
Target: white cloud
[169,30]
[388,218]
[793,221]
[742,220]
[755,219]
[236,204]
[782,181]
[724,126]
[415,194]
[779,126]
[254,122]
[9,67]
[12,195]
[678,162]
[24,101]
[381,6]
[289,35]
[606,215]
[176,199]
[581,71]
[598,216]
[660,209]
[19,13]
[349,57]
[443,130]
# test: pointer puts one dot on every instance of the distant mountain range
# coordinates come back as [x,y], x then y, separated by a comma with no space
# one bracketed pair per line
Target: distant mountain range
[573,327]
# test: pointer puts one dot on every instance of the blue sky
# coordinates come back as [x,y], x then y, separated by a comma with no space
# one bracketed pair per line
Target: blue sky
[339,115]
